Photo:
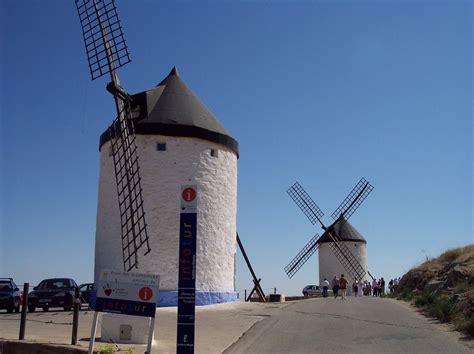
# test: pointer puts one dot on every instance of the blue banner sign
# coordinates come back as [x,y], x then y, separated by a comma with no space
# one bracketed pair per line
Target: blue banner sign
[187,270]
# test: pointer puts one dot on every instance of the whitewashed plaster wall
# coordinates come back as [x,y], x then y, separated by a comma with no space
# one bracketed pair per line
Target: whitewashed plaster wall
[185,161]
[329,265]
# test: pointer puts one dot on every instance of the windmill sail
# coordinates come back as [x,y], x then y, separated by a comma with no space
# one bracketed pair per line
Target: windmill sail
[106,51]
[302,256]
[305,203]
[129,191]
[106,48]
[353,200]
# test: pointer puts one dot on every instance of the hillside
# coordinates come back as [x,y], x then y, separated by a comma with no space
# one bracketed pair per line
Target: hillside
[444,288]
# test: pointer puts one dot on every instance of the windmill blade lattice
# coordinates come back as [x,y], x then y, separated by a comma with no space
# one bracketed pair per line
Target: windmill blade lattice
[302,256]
[353,200]
[348,261]
[129,191]
[305,203]
[106,51]
[103,36]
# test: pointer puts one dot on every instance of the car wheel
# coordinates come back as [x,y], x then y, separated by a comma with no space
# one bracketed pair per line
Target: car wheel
[31,309]
[45,308]
[67,308]
[305,294]
[9,309]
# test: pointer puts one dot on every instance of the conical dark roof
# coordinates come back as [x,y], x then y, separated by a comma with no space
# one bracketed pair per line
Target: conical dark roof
[171,108]
[344,230]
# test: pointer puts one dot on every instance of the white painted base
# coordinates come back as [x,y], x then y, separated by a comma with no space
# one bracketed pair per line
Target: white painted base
[110,328]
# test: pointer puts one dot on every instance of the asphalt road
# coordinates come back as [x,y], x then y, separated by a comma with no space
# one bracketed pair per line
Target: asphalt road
[354,325]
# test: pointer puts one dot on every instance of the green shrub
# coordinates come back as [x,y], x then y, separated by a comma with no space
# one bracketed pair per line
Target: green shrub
[405,295]
[425,299]
[443,308]
[108,349]
[466,326]
[462,288]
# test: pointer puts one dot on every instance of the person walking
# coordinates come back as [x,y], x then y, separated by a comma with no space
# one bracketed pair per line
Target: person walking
[355,287]
[374,287]
[382,286]
[335,286]
[325,285]
[343,286]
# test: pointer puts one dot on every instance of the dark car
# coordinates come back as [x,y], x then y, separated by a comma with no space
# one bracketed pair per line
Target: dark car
[86,290]
[58,292]
[9,295]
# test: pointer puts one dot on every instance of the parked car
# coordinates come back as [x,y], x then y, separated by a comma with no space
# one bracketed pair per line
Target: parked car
[57,292]
[86,290]
[312,290]
[9,295]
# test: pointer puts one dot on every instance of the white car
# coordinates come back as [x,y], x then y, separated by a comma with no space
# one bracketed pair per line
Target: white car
[312,290]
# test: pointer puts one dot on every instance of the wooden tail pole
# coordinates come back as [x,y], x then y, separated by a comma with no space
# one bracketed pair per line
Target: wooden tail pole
[256,281]
[257,289]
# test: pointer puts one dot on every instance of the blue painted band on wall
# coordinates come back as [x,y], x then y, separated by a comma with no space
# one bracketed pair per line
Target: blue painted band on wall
[168,298]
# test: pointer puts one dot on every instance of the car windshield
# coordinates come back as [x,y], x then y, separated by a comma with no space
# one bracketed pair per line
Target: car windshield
[54,284]
[4,286]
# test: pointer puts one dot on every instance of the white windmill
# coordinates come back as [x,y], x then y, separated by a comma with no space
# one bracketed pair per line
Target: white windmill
[179,142]
[342,249]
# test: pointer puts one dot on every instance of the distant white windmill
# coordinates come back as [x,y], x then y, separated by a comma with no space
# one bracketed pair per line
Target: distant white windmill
[342,249]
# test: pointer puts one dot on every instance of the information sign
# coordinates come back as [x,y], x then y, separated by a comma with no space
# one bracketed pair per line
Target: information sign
[127,293]
[187,270]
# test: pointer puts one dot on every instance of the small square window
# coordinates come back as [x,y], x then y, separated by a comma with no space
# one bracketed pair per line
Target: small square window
[161,146]
[214,152]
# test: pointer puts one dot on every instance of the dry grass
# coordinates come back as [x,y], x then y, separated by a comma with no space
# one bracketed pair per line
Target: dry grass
[453,302]
[467,253]
[452,254]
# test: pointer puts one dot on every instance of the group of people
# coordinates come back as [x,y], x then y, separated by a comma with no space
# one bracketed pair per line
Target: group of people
[393,285]
[336,284]
[376,288]
[366,288]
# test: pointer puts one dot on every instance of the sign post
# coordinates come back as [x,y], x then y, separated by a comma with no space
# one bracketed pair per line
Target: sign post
[187,270]
[125,293]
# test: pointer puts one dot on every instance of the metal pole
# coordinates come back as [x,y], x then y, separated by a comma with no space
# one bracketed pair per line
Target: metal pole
[151,333]
[245,294]
[24,305]
[93,330]
[75,319]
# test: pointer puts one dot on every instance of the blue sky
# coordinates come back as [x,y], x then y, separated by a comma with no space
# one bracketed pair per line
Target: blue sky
[318,92]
